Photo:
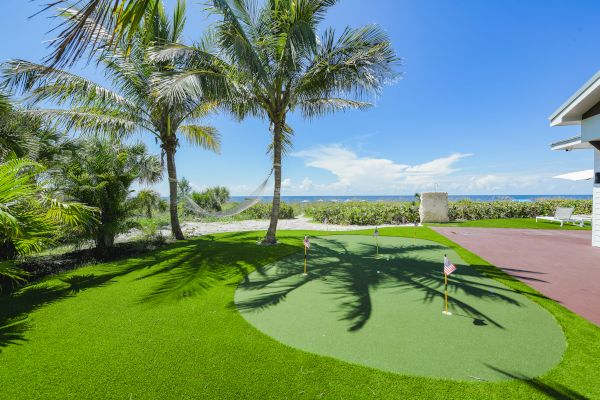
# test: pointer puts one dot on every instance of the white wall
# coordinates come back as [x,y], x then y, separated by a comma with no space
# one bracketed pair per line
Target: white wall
[596,206]
[590,128]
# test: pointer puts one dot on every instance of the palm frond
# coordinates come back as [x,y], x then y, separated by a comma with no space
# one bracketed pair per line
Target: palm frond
[358,62]
[206,137]
[312,108]
[49,84]
[5,105]
[90,120]
[121,18]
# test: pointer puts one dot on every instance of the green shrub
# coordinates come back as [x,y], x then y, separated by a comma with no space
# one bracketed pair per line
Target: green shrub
[211,199]
[474,210]
[263,211]
[364,213]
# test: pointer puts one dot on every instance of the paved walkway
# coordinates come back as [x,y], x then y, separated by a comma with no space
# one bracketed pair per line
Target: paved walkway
[560,264]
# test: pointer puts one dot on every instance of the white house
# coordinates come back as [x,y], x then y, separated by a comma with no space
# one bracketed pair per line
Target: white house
[583,108]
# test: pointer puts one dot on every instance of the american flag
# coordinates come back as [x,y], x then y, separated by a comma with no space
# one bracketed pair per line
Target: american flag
[306,242]
[448,266]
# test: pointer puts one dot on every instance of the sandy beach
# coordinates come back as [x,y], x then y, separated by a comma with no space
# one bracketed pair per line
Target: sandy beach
[191,228]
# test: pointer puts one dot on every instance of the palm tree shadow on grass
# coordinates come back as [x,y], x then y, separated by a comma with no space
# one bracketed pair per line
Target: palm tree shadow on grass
[17,306]
[184,269]
[206,263]
[356,274]
[551,389]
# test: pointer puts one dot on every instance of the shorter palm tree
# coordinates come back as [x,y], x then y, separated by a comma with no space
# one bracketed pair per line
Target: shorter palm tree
[101,175]
[148,200]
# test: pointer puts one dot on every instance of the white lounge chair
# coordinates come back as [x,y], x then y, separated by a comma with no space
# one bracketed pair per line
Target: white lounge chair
[582,219]
[562,215]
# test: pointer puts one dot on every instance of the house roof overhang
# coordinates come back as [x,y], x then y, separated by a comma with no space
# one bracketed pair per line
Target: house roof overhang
[571,112]
[574,143]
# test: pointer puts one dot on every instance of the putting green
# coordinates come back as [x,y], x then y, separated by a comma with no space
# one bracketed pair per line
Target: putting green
[386,312]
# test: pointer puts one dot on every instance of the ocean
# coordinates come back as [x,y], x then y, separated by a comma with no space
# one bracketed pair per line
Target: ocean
[484,197]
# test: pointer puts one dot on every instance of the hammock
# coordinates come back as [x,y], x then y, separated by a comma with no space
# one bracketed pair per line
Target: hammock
[254,198]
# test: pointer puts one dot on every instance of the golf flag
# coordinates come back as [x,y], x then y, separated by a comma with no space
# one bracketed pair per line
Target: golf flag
[375,235]
[448,266]
[448,269]
[306,243]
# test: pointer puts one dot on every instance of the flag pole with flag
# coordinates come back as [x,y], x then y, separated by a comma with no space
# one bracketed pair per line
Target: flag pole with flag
[306,247]
[448,269]
[376,235]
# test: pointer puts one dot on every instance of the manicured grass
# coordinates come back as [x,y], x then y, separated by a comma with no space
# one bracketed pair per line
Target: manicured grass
[165,326]
[516,223]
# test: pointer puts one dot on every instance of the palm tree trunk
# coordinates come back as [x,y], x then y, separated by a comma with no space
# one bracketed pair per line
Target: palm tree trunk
[271,233]
[104,242]
[170,147]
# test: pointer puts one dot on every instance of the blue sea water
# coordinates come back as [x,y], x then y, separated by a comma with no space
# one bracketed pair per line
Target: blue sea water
[341,199]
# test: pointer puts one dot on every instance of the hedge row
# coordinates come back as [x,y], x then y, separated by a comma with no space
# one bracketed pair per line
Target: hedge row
[472,210]
[404,212]
[364,213]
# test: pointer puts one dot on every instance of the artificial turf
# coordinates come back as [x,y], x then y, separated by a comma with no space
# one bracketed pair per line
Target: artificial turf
[385,312]
[165,326]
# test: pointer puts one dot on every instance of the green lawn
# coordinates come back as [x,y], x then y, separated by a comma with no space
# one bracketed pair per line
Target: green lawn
[517,223]
[165,326]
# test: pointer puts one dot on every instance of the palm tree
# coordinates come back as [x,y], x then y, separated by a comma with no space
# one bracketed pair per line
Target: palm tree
[133,106]
[101,175]
[148,200]
[273,63]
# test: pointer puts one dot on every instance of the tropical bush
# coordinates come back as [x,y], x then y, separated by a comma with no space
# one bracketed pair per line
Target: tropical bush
[30,215]
[364,213]
[211,199]
[263,211]
[101,175]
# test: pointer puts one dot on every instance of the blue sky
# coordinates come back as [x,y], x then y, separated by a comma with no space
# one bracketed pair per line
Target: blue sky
[479,80]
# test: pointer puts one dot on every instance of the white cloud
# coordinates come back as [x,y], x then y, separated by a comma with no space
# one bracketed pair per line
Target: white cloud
[372,175]
[502,182]
[306,184]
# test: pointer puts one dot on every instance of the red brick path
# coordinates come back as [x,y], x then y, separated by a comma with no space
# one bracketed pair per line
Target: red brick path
[560,264]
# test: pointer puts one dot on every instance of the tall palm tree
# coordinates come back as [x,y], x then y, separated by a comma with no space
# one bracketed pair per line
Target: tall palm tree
[133,106]
[273,63]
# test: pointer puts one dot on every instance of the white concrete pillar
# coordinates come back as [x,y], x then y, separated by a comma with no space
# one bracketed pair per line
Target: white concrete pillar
[596,205]
[434,207]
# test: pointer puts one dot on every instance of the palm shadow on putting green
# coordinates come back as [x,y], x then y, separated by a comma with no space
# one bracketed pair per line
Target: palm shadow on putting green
[352,276]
